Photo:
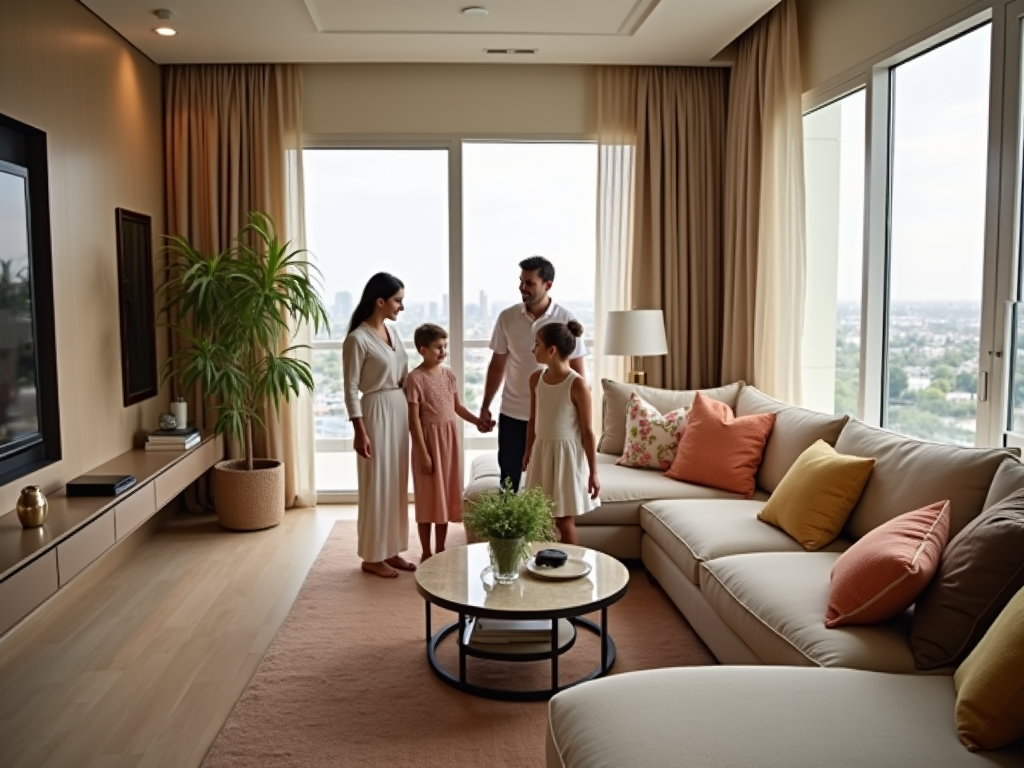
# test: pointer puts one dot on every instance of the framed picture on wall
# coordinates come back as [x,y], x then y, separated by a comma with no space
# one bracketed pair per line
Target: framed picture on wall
[135,293]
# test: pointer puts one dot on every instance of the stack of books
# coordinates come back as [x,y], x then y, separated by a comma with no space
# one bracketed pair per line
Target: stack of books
[509,631]
[173,439]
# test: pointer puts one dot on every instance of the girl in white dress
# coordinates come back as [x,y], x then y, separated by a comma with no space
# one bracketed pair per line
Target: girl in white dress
[375,364]
[561,450]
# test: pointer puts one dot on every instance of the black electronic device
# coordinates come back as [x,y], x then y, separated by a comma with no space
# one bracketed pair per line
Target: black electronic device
[100,485]
[550,558]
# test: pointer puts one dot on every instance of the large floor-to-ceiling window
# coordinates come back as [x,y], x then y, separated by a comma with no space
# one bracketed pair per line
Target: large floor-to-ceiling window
[396,209]
[898,182]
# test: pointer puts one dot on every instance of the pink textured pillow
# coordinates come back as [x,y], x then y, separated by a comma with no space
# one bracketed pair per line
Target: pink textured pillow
[881,575]
[651,438]
[719,450]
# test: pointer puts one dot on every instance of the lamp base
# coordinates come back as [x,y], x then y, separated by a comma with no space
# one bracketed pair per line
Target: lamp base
[636,377]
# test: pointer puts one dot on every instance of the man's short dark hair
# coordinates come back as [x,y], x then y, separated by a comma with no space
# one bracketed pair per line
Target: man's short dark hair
[544,268]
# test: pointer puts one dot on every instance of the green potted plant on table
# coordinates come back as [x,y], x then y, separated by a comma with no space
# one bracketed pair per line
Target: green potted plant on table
[508,522]
[232,311]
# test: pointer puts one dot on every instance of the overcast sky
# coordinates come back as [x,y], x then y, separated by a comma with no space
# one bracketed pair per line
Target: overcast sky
[938,208]
[373,210]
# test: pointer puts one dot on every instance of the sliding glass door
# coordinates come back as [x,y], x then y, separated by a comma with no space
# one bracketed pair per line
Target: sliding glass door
[394,209]
[367,211]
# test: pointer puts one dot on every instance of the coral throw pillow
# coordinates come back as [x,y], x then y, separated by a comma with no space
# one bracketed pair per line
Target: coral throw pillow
[720,450]
[816,495]
[651,438]
[881,575]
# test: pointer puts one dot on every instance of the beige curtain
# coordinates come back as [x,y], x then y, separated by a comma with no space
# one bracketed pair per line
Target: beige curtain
[765,248]
[233,143]
[616,150]
[677,237]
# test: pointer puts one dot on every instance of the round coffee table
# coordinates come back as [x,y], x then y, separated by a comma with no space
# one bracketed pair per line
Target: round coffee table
[460,580]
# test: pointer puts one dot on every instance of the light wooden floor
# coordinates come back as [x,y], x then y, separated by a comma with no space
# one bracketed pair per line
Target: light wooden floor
[139,661]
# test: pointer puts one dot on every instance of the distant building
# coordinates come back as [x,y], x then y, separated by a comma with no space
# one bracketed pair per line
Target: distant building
[433,310]
[343,305]
[444,305]
[484,313]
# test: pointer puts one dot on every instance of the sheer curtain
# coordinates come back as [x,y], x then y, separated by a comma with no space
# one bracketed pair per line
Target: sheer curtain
[233,144]
[765,246]
[616,147]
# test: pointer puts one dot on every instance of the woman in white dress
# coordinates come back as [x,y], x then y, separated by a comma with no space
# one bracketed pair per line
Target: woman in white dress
[375,364]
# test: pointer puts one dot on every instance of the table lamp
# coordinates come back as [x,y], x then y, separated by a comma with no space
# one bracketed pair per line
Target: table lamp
[635,333]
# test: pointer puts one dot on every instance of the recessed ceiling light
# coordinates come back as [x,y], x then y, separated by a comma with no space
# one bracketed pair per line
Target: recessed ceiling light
[475,12]
[165,15]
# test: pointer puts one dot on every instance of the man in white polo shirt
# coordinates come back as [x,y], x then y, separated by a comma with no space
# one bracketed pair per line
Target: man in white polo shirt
[512,361]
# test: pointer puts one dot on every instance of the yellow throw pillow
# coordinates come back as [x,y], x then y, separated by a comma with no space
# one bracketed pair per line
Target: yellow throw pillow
[817,494]
[990,684]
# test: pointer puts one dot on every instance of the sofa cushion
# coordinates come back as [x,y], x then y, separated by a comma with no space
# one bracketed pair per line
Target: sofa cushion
[692,532]
[881,575]
[776,603]
[719,450]
[981,569]
[990,684]
[815,497]
[623,489]
[910,474]
[651,436]
[760,717]
[1008,479]
[616,395]
[795,430]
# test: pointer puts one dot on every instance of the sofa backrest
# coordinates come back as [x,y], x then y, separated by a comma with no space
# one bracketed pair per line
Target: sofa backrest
[796,430]
[910,474]
[616,396]
[1009,479]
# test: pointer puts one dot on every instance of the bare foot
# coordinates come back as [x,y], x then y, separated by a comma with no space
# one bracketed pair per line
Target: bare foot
[425,556]
[400,563]
[380,569]
[439,550]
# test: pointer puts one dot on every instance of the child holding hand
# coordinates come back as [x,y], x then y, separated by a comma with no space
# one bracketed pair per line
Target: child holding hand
[561,451]
[434,403]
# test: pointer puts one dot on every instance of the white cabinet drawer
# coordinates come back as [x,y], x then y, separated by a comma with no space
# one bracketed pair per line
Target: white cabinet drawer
[134,510]
[84,546]
[24,591]
[174,480]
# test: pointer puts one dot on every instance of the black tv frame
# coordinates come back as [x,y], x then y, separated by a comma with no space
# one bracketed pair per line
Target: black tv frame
[25,146]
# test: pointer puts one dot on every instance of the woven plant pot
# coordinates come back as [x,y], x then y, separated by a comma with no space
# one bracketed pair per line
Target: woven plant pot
[249,500]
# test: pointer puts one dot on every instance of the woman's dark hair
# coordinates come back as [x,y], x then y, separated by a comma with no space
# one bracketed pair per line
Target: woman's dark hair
[427,334]
[561,336]
[380,286]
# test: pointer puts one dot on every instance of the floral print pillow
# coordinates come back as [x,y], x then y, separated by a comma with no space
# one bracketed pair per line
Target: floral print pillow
[651,438]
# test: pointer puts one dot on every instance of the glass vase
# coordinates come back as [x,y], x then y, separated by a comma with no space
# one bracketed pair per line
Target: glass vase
[507,556]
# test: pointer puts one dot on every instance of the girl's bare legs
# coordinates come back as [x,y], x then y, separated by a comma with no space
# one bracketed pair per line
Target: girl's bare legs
[439,536]
[567,530]
[424,531]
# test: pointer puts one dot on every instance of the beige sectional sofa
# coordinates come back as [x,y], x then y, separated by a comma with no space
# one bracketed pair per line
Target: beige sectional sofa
[756,597]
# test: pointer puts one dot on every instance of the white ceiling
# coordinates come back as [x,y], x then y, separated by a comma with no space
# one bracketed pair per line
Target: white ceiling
[669,32]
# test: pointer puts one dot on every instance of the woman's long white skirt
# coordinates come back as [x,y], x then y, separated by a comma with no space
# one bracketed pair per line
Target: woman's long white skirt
[384,477]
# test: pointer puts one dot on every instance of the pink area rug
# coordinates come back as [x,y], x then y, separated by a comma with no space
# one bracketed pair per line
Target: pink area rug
[346,681]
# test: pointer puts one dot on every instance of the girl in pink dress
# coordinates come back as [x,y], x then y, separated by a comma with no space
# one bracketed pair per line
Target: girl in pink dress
[433,396]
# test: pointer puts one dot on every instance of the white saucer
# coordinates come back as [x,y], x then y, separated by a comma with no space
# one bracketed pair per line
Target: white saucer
[574,568]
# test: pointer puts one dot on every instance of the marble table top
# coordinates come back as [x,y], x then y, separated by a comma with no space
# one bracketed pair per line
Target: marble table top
[460,578]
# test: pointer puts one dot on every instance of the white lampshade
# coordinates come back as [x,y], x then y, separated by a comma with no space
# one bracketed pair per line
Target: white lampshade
[636,333]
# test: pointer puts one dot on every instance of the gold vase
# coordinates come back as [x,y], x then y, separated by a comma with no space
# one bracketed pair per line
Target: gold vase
[32,507]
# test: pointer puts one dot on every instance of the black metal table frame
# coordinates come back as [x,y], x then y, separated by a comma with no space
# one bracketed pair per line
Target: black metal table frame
[575,617]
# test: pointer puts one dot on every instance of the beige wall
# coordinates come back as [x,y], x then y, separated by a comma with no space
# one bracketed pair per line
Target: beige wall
[482,99]
[64,71]
[836,35]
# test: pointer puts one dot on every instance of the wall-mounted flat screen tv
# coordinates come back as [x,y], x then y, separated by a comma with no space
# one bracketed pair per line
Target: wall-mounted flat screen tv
[29,418]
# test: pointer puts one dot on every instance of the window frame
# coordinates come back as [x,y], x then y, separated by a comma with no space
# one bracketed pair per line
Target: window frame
[453,144]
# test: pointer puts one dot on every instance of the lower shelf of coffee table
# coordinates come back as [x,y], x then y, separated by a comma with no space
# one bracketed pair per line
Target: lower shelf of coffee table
[523,651]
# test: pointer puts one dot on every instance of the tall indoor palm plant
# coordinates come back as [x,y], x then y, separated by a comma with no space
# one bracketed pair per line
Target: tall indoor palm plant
[232,310]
